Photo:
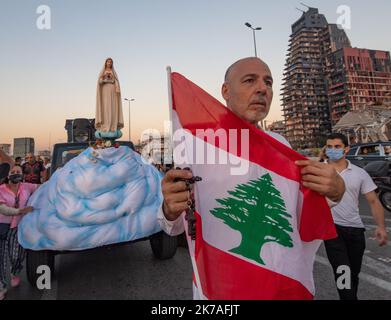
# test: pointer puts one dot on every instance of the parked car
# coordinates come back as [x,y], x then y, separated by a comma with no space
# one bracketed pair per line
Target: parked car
[380,171]
[163,246]
[362,154]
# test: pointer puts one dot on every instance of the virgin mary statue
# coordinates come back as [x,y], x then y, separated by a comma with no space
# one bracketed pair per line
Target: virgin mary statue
[109,117]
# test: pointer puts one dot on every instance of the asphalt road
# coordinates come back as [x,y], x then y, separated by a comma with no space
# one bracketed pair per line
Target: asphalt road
[132,272]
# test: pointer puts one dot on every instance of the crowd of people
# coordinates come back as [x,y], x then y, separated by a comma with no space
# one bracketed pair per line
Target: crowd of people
[19,179]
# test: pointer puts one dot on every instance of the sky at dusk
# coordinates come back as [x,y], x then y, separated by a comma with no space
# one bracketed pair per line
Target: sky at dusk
[48,76]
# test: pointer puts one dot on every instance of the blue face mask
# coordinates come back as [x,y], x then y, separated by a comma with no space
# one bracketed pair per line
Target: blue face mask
[335,154]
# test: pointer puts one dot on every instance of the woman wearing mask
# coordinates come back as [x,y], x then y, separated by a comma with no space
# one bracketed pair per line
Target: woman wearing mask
[13,195]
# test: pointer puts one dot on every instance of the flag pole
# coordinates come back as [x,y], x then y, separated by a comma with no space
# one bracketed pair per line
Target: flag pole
[190,242]
[170,105]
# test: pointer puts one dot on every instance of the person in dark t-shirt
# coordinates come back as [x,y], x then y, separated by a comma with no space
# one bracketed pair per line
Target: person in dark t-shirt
[33,170]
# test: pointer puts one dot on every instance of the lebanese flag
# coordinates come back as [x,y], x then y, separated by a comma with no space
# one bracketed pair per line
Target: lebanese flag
[258,229]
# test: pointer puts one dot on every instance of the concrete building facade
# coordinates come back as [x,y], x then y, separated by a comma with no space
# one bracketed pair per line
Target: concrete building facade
[22,146]
[305,87]
[357,78]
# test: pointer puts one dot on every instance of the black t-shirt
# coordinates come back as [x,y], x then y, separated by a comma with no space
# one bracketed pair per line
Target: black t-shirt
[32,172]
[4,171]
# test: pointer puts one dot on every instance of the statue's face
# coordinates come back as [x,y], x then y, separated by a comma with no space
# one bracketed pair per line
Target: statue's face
[109,63]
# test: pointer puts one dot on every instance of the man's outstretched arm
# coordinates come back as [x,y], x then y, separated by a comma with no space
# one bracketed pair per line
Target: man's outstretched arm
[378,214]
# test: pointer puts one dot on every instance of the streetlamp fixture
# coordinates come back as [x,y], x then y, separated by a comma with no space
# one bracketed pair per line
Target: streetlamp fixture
[129,101]
[254,29]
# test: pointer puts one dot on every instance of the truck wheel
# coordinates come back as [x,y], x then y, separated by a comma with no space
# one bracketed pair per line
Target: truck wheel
[182,241]
[163,246]
[34,260]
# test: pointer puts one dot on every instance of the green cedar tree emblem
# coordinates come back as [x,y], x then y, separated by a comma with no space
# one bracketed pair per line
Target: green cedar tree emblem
[258,212]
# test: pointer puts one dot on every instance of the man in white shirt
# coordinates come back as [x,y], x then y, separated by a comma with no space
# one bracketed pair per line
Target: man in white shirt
[348,249]
[248,91]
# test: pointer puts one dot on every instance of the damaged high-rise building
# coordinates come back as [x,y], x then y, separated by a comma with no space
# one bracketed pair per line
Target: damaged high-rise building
[325,78]
[305,84]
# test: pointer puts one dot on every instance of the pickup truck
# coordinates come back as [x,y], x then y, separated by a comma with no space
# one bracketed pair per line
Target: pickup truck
[163,246]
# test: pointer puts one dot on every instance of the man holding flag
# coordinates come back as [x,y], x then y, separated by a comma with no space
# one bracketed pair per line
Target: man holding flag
[256,234]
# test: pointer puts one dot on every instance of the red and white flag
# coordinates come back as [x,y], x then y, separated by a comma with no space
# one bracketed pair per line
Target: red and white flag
[258,229]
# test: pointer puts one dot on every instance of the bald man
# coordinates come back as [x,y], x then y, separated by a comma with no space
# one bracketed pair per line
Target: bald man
[248,92]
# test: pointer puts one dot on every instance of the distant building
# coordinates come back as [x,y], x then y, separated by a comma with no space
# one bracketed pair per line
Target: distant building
[357,78]
[367,124]
[156,149]
[23,146]
[6,148]
[44,153]
[304,93]
[325,78]
[277,127]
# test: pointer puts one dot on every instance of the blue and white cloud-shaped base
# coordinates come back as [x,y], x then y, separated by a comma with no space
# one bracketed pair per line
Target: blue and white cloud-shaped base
[113,135]
[101,197]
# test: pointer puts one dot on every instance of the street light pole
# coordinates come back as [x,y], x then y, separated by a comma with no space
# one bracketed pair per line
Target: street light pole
[255,41]
[129,101]
[255,44]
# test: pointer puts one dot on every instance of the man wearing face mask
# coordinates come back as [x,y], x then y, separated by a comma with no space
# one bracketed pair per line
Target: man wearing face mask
[14,196]
[348,249]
